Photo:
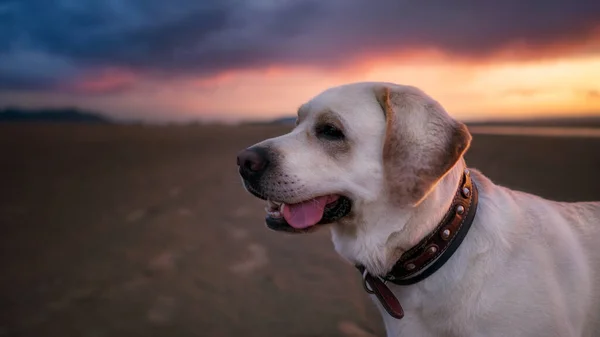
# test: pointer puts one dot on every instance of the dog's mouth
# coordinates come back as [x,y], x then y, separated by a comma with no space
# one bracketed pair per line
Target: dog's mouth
[305,216]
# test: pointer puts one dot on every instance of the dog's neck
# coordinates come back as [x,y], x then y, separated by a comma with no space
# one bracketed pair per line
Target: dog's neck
[379,244]
[429,213]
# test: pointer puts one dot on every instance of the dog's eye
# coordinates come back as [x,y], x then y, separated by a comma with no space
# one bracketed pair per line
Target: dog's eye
[329,132]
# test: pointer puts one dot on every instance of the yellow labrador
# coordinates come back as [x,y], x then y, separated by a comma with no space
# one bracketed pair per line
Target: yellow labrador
[382,166]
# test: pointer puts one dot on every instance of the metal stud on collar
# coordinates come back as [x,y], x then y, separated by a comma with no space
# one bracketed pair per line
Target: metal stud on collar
[466,192]
[445,234]
[460,209]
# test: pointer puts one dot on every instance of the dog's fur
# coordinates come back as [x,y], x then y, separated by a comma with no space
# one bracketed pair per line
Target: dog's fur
[528,266]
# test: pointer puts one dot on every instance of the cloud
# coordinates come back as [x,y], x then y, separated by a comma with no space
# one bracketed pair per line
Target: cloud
[593,94]
[105,81]
[521,92]
[33,69]
[203,38]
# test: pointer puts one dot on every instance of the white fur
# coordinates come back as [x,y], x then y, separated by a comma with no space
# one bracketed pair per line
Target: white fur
[527,267]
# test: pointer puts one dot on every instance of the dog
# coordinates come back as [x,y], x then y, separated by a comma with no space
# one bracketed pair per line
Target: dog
[382,165]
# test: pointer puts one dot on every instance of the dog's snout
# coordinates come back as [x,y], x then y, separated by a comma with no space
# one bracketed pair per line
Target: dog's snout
[252,162]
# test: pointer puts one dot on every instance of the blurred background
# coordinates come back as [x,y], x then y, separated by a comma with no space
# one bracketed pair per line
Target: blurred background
[121,212]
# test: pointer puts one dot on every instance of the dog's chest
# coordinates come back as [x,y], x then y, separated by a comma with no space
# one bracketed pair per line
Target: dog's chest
[427,313]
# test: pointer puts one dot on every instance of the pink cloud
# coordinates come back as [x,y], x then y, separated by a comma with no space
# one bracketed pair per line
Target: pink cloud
[108,80]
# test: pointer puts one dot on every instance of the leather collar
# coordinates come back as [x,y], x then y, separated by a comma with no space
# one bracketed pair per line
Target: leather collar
[431,252]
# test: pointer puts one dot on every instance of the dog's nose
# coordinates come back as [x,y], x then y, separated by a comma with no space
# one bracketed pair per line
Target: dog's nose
[252,162]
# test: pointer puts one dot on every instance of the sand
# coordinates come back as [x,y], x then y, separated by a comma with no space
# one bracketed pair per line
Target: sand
[146,231]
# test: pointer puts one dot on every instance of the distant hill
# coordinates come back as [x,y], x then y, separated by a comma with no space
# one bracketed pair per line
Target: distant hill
[588,121]
[566,122]
[66,115]
[285,121]
[290,121]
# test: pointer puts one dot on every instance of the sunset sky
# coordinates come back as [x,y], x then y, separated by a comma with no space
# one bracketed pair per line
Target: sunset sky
[181,60]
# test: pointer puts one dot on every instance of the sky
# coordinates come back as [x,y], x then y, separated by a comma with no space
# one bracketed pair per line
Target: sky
[182,60]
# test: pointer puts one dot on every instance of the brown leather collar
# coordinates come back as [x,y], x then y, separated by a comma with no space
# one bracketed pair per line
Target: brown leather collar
[429,254]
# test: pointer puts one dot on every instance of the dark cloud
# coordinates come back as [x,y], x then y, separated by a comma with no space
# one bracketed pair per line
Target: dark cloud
[183,37]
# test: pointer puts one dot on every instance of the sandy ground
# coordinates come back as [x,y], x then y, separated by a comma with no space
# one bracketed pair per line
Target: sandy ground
[146,231]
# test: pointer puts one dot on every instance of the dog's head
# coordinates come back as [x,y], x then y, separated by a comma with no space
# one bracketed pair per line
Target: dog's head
[355,148]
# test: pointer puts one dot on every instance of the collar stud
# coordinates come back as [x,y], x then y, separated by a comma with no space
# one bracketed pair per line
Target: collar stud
[466,192]
[445,234]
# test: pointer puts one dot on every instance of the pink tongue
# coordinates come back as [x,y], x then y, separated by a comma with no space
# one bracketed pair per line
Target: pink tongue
[307,213]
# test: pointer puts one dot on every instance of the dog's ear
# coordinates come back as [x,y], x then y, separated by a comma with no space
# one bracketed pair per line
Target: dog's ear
[422,143]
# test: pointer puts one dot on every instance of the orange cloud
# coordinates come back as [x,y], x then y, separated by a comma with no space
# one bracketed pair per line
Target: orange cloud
[467,90]
[500,87]
[592,94]
[108,80]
